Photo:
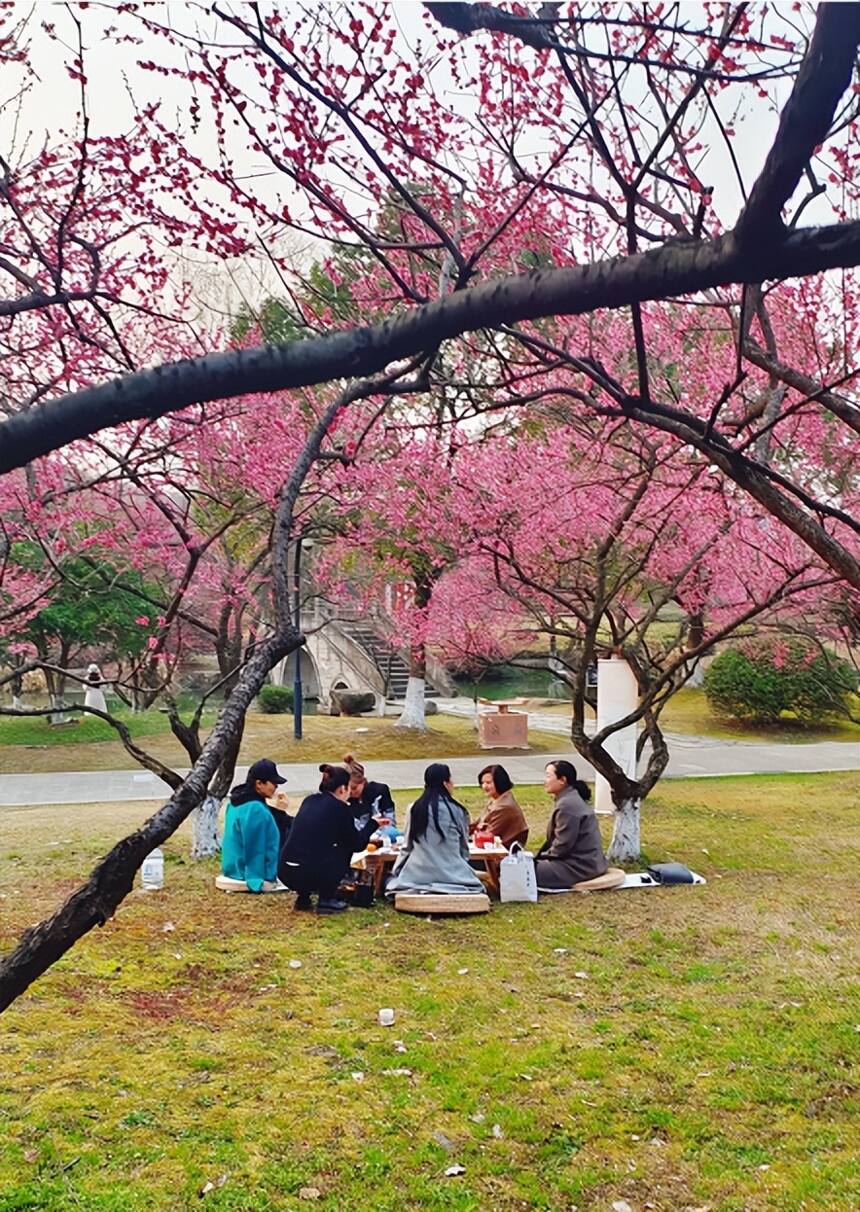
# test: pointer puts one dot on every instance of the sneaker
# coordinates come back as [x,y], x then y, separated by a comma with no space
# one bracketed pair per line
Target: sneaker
[331,906]
[303,903]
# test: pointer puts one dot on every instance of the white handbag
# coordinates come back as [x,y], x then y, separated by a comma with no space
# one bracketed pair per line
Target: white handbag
[517,879]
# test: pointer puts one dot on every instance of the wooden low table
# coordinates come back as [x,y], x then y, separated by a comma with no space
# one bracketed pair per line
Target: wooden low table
[378,862]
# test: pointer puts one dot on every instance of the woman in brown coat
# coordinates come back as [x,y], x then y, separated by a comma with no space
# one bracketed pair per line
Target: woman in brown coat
[573,850]
[503,816]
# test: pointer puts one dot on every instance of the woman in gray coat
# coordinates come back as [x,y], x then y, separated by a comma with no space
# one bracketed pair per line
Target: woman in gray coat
[435,854]
[573,850]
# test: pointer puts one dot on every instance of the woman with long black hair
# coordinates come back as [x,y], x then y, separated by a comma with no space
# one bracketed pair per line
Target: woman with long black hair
[435,854]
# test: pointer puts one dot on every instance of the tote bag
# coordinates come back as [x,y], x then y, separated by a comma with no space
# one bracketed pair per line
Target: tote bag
[517,879]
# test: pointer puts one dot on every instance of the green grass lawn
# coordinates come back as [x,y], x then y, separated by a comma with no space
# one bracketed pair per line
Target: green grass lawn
[682,1048]
[688,712]
[84,729]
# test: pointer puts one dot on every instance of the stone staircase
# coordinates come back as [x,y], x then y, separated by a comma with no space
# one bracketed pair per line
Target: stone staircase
[391,665]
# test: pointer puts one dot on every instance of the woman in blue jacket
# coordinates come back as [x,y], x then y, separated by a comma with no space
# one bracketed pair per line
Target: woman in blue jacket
[249,848]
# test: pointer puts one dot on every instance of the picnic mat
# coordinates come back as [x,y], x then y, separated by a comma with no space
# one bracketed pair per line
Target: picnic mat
[633,879]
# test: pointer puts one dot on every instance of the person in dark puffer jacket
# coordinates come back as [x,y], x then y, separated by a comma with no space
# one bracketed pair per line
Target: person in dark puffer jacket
[322,840]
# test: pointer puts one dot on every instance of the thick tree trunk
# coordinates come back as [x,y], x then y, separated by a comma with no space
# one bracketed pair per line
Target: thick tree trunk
[413,714]
[205,841]
[63,663]
[625,845]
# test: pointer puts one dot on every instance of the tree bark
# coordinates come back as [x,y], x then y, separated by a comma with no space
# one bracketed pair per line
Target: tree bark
[205,839]
[413,714]
[667,272]
[625,844]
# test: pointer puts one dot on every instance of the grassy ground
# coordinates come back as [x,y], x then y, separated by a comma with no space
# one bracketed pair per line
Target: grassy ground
[683,1048]
[688,712]
[325,738]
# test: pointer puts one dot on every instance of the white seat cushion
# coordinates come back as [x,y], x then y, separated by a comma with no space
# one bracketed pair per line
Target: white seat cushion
[224,884]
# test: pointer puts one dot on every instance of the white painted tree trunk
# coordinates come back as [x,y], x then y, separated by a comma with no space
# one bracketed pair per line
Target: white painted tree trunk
[625,845]
[205,842]
[413,714]
[17,703]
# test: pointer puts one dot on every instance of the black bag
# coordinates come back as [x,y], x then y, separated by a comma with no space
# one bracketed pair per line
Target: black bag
[671,873]
[357,888]
[363,896]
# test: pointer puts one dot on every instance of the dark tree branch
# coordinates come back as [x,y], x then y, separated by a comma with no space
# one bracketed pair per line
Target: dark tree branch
[674,269]
[824,75]
[838,405]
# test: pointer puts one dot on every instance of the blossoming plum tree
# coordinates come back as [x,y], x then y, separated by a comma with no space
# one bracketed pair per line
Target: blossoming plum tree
[541,236]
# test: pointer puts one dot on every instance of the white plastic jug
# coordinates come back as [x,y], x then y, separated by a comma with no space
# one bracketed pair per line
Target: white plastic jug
[152,870]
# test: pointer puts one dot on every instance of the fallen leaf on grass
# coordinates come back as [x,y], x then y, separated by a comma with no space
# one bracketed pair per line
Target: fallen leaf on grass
[453,1171]
[309,1193]
[295,964]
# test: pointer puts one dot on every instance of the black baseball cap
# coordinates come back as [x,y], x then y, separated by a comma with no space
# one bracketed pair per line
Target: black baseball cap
[265,771]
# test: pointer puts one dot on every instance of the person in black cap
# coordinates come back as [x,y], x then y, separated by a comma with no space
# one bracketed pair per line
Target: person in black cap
[252,842]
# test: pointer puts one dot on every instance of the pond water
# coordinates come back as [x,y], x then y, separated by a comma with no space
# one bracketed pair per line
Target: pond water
[508,682]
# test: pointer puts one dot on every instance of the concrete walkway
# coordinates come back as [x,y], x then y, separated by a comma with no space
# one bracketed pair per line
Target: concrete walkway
[690,756]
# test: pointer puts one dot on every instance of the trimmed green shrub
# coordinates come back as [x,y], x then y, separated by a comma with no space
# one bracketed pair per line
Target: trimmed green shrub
[764,680]
[275,700]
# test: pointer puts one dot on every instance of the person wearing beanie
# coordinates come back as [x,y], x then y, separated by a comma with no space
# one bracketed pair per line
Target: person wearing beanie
[367,799]
[251,843]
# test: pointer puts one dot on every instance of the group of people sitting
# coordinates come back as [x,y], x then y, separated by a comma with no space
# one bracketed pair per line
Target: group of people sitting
[312,852]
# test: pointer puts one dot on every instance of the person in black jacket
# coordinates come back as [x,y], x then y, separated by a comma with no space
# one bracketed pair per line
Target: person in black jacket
[367,799]
[322,840]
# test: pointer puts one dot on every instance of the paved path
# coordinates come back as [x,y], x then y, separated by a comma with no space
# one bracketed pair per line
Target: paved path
[689,756]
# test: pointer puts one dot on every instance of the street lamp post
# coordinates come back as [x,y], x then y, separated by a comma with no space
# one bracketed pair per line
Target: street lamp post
[297,614]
